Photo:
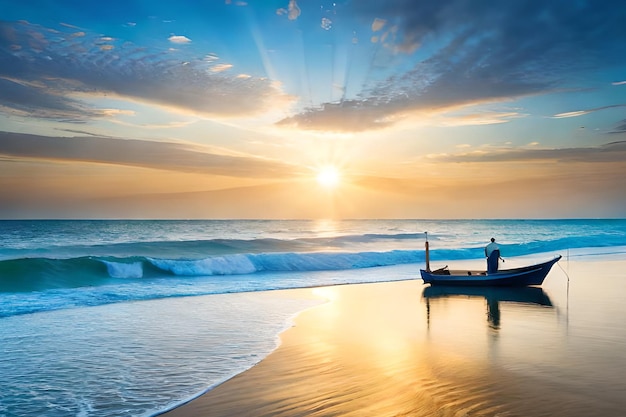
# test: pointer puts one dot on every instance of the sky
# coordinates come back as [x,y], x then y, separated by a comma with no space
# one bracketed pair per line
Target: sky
[312,109]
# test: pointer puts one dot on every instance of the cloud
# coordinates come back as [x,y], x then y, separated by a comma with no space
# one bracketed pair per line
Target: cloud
[221,67]
[39,78]
[584,112]
[378,24]
[39,100]
[473,52]
[571,114]
[139,153]
[620,128]
[179,39]
[610,152]
[292,11]
[476,119]
[349,115]
[67,25]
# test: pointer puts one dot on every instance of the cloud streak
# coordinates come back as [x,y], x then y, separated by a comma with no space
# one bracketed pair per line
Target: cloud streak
[138,153]
[584,112]
[39,100]
[610,152]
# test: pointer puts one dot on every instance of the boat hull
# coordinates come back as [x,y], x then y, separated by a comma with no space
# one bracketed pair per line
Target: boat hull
[517,277]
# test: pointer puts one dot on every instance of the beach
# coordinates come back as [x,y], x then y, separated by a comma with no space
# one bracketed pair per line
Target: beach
[255,317]
[381,350]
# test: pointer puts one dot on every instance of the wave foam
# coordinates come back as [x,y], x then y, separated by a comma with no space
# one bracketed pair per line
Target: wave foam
[124,270]
[220,265]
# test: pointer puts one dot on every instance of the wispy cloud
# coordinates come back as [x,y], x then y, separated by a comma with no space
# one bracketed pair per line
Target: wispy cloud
[584,112]
[179,39]
[620,128]
[139,153]
[221,67]
[610,152]
[571,114]
[67,25]
[477,53]
[42,68]
[349,115]
[292,11]
[237,3]
[41,100]
[477,119]
[378,24]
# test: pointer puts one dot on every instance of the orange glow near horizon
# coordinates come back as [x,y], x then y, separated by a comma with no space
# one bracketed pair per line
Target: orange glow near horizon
[259,116]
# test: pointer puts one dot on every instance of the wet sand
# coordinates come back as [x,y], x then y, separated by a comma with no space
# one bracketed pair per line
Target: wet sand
[370,351]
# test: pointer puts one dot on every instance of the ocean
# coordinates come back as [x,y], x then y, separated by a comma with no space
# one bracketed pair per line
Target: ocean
[132,317]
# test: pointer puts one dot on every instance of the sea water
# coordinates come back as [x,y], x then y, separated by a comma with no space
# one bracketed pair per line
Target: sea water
[114,318]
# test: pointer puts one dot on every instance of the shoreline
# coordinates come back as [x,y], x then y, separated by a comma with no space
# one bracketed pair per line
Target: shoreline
[368,351]
[320,339]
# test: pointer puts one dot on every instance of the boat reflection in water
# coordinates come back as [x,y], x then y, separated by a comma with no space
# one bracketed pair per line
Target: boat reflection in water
[493,296]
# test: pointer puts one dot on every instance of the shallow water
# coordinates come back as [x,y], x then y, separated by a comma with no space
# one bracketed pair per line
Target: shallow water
[489,350]
[132,359]
[403,348]
[556,350]
[89,327]
[50,265]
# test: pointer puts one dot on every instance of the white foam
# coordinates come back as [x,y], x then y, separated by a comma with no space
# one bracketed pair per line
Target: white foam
[124,270]
[332,261]
[219,265]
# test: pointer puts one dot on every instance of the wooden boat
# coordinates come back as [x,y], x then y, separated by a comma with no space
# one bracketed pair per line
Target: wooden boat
[516,277]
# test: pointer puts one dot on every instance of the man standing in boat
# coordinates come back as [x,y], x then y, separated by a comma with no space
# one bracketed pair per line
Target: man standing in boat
[492,252]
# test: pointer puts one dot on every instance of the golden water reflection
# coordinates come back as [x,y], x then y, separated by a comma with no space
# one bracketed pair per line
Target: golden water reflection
[493,296]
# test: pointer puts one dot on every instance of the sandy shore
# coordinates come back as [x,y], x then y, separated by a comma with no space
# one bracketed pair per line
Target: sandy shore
[347,356]
[367,352]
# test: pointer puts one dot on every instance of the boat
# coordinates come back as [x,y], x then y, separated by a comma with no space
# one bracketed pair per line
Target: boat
[515,277]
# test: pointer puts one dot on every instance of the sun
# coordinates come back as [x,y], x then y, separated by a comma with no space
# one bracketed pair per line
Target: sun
[328,177]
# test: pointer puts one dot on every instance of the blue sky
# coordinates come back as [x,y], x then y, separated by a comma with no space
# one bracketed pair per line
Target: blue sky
[208,109]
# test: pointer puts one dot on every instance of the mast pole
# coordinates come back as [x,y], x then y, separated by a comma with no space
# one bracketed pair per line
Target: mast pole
[427,253]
